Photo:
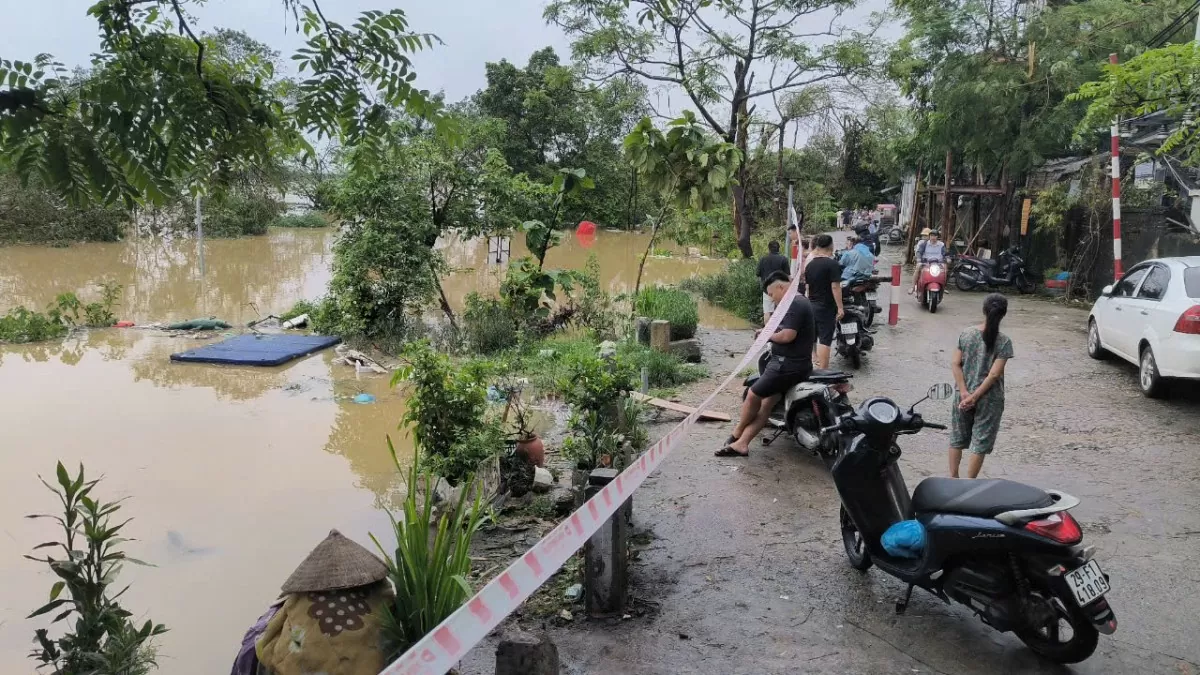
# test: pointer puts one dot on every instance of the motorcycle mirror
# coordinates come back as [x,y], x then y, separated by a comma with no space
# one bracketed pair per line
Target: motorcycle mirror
[941,391]
[1107,290]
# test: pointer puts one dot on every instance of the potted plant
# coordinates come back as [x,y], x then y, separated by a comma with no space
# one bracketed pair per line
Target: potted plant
[529,443]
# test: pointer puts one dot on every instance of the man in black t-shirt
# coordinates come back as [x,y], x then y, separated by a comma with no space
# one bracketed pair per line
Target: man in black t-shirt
[824,279]
[768,265]
[790,364]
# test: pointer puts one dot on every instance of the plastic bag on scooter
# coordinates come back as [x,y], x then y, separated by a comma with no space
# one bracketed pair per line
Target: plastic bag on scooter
[905,539]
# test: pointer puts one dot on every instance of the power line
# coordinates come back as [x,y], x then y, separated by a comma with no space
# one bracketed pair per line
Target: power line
[1172,28]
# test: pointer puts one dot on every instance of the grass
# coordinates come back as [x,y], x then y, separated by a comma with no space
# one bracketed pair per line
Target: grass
[669,304]
[736,289]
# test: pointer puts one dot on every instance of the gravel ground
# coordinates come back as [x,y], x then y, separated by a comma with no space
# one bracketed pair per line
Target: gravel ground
[746,573]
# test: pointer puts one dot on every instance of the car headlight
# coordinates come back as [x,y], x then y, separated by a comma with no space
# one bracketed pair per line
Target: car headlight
[935,270]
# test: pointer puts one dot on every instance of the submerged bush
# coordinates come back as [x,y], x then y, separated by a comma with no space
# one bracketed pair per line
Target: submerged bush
[736,289]
[240,215]
[23,325]
[31,214]
[66,312]
[488,325]
[302,220]
[669,304]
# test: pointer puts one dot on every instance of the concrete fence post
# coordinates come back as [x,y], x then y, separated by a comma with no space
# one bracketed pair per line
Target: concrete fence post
[605,573]
[894,310]
[525,654]
[660,335]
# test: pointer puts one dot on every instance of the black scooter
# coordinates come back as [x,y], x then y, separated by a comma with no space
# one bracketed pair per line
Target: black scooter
[1010,552]
[851,336]
[1008,269]
[807,408]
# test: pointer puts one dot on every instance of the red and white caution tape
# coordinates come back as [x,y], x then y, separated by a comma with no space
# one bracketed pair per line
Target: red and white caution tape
[447,644]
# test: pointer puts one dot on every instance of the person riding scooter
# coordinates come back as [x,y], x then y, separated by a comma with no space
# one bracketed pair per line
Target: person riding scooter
[929,250]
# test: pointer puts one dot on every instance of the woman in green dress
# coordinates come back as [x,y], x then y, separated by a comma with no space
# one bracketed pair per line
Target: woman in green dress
[979,375]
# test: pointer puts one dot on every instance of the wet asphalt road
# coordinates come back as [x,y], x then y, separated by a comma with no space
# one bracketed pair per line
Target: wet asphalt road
[747,574]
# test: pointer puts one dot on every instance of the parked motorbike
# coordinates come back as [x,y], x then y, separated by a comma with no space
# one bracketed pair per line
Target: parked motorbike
[808,407]
[863,292]
[1007,269]
[896,235]
[1010,552]
[851,335]
[930,285]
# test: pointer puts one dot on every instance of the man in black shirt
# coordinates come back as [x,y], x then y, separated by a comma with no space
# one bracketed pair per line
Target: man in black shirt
[768,265]
[824,279]
[790,364]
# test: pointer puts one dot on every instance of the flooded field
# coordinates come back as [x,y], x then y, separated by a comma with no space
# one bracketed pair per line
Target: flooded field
[233,474]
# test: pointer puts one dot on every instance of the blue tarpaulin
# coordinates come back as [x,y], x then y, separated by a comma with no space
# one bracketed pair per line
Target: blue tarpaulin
[257,350]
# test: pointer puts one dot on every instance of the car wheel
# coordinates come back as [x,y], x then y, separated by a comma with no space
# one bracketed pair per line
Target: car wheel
[1153,384]
[1095,349]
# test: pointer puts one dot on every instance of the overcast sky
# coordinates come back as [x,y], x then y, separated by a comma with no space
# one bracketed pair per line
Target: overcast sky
[474,31]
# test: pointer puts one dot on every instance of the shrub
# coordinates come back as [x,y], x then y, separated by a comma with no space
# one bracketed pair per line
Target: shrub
[445,410]
[431,559]
[592,439]
[669,304]
[23,325]
[663,369]
[737,289]
[488,325]
[239,215]
[31,214]
[591,383]
[303,220]
[101,639]
[596,311]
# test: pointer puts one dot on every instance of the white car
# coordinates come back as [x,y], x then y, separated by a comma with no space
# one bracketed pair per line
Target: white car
[1151,318]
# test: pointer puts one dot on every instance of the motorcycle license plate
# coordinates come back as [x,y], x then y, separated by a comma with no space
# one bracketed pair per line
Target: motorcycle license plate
[1087,583]
[849,329]
[872,296]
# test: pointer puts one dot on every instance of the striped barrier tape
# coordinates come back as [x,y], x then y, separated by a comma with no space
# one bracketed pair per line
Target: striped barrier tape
[447,644]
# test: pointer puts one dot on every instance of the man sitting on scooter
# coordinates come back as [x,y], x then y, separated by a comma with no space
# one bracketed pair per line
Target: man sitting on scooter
[790,364]
[929,250]
[857,261]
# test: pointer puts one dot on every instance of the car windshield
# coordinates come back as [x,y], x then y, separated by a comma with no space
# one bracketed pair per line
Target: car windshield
[1191,282]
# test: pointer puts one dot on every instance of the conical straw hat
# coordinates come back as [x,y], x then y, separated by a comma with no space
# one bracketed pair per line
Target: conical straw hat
[335,563]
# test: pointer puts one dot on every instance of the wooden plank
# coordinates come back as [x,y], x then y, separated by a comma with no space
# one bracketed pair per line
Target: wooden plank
[681,408]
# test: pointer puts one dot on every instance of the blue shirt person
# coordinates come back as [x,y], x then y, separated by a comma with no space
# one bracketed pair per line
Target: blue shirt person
[857,262]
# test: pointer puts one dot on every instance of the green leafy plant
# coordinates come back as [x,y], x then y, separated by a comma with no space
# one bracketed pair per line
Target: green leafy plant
[488,325]
[736,288]
[431,560]
[596,310]
[240,214]
[593,442]
[595,384]
[102,638]
[21,325]
[301,220]
[662,369]
[446,411]
[669,304]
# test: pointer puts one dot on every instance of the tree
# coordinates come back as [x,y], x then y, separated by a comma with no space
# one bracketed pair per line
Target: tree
[1166,79]
[158,116]
[714,50]
[554,121]
[686,166]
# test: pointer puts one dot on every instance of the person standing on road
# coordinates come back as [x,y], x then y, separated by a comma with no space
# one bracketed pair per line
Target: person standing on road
[770,263]
[978,368]
[790,364]
[823,276]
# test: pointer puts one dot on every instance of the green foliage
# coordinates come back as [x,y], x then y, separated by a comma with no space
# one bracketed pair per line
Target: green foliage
[686,164]
[737,289]
[304,220]
[488,325]
[22,325]
[595,384]
[446,410]
[669,304]
[1049,208]
[321,314]
[663,369]
[32,214]
[593,442]
[1166,79]
[595,307]
[102,638]
[429,566]
[240,214]
[164,111]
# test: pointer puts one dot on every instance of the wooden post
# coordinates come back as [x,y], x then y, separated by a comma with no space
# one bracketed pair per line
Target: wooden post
[604,556]
[946,201]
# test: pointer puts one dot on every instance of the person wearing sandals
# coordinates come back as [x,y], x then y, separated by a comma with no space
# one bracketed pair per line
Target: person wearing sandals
[790,364]
[978,369]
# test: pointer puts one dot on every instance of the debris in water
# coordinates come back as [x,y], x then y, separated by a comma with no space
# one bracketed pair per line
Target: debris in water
[364,398]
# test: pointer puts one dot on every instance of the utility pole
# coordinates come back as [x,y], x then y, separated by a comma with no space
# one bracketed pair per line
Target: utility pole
[946,202]
[1118,272]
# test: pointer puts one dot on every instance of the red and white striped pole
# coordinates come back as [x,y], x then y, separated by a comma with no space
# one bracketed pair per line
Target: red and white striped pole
[894,310]
[1118,272]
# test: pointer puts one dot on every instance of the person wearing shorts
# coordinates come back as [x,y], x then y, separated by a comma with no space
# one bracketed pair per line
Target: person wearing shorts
[823,277]
[790,364]
[978,367]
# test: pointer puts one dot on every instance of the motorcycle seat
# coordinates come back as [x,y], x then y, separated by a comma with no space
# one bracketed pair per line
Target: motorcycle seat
[982,498]
[828,376]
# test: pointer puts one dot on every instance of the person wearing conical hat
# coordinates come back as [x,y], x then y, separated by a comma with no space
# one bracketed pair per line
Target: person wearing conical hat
[332,614]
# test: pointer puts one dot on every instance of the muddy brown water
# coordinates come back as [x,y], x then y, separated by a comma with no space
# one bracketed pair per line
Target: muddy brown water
[233,474]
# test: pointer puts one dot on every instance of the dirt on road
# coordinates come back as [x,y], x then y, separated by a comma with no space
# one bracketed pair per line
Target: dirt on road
[745,571]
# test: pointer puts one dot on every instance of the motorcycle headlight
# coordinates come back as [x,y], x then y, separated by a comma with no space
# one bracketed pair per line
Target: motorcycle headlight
[935,270]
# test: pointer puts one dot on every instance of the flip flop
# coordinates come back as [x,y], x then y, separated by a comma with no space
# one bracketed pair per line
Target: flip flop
[730,440]
[728,451]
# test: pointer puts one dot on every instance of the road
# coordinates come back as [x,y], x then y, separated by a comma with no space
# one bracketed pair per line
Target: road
[746,572]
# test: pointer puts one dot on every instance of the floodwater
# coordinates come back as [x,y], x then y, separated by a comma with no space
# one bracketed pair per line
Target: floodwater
[232,474]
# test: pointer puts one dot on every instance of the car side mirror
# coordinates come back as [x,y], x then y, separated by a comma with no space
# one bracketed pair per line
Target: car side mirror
[1107,290]
[941,392]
